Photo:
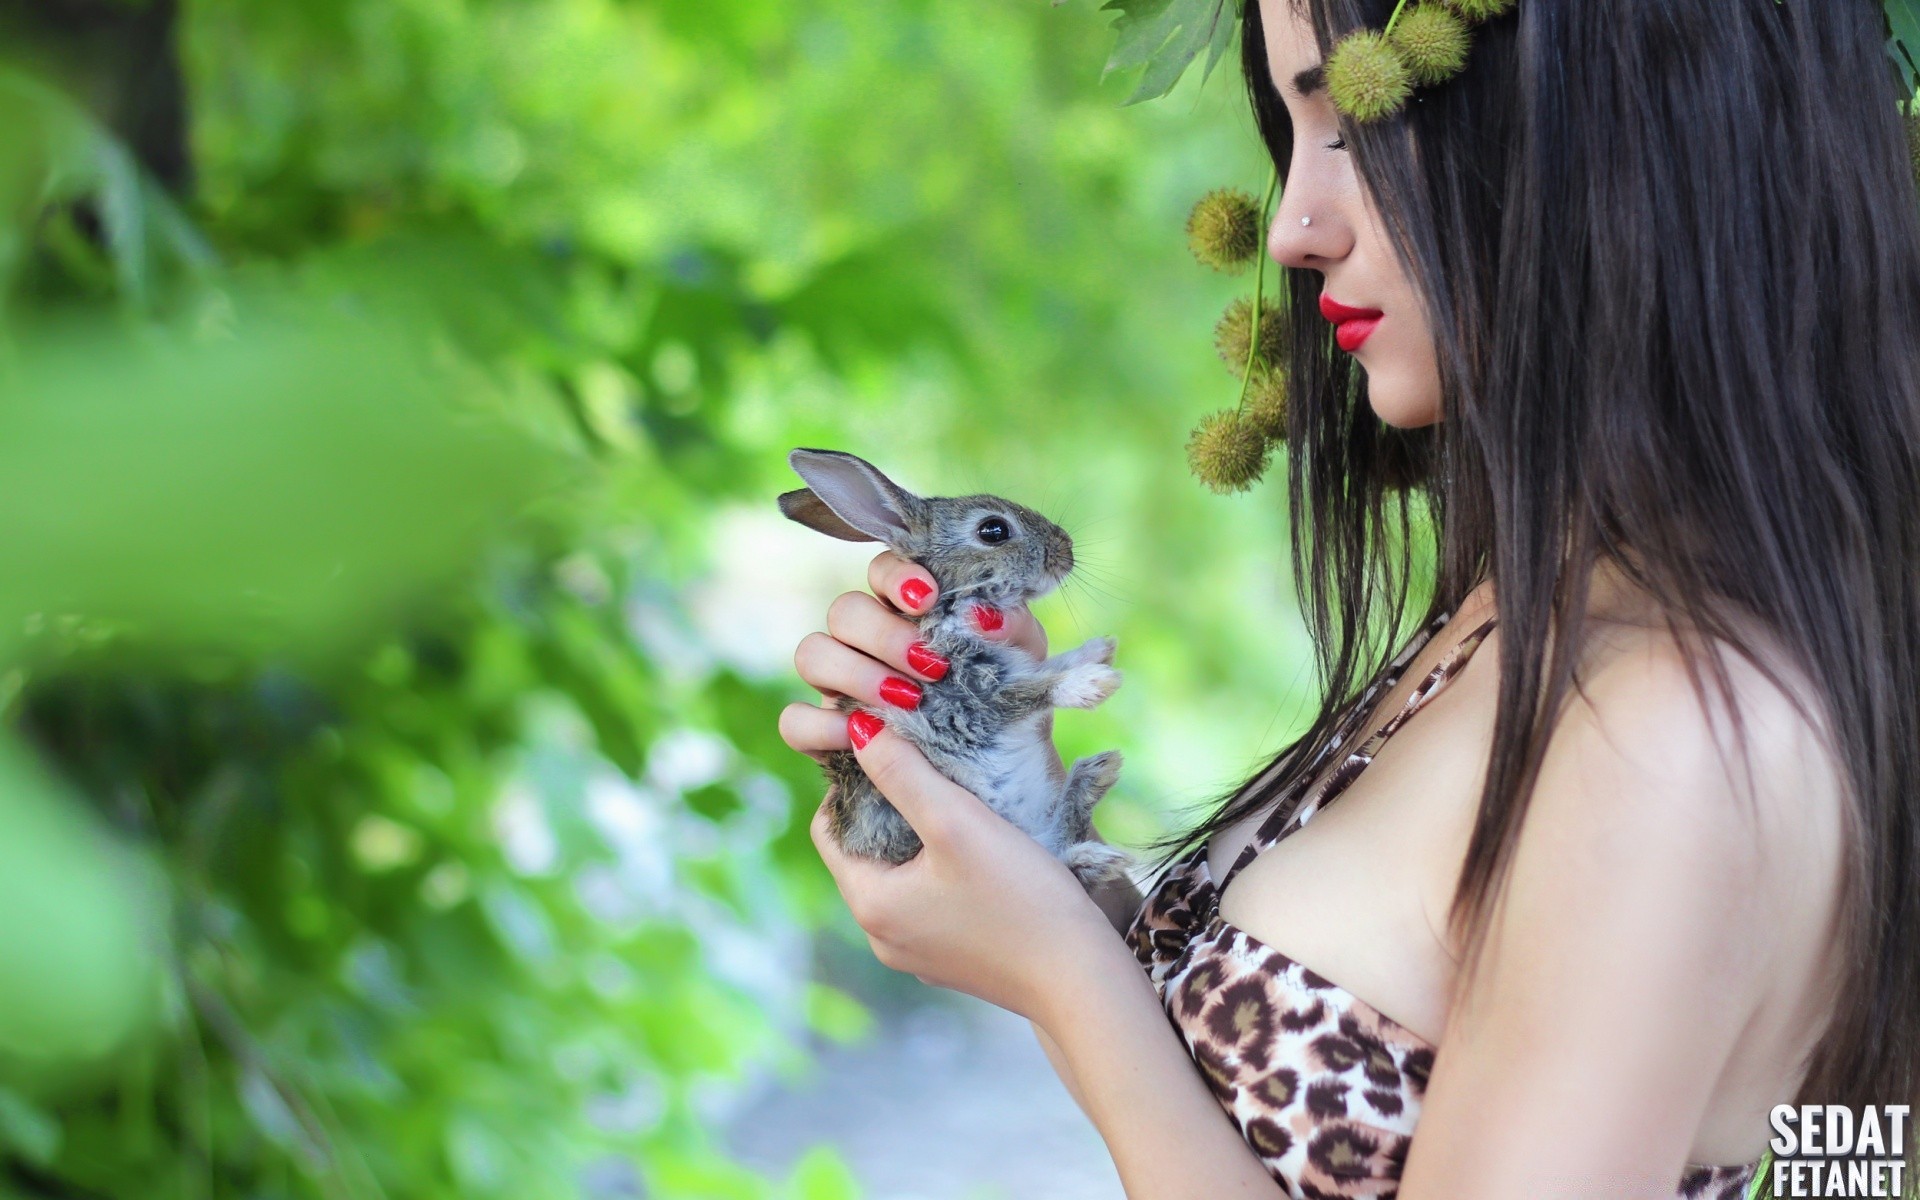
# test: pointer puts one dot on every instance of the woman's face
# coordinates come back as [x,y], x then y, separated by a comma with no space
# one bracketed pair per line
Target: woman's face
[1345,240]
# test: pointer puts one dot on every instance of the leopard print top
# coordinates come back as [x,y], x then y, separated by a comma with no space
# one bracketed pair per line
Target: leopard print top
[1325,1089]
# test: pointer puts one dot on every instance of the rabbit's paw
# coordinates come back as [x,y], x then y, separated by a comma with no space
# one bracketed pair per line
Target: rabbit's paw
[1096,863]
[1098,649]
[1085,686]
[1096,772]
[1087,783]
[1093,650]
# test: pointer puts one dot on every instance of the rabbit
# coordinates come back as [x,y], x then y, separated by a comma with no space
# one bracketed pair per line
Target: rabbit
[983,725]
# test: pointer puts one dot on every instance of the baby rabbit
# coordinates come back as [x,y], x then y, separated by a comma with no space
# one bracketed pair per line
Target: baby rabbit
[983,725]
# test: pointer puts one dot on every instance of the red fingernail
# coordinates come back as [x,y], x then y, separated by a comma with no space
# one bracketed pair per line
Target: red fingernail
[915,592]
[861,727]
[901,693]
[925,661]
[989,619]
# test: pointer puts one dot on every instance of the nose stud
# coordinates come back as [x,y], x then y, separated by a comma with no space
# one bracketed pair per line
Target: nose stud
[1306,220]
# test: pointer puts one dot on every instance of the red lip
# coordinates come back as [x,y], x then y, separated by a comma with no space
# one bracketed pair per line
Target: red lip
[1352,325]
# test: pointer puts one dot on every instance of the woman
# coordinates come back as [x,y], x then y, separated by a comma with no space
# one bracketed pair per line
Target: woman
[1648,277]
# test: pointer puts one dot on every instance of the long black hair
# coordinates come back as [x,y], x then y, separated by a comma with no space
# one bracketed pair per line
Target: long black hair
[1631,225]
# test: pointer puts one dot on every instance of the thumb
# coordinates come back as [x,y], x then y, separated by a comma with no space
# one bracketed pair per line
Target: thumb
[933,804]
[1015,626]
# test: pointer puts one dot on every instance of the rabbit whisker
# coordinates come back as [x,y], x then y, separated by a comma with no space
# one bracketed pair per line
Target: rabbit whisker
[1102,578]
[1101,593]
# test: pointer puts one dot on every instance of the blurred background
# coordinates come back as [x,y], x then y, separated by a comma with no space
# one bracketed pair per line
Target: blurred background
[395,614]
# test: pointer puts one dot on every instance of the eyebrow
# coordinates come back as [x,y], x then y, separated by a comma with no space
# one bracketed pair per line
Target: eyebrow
[1311,80]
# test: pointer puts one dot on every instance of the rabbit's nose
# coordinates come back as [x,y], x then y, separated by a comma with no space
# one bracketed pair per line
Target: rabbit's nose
[1059,559]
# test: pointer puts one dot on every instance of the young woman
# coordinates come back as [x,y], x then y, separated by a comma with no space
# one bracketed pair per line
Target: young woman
[1562,893]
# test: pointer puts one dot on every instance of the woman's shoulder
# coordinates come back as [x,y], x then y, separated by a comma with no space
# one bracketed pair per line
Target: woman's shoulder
[1738,732]
[1725,793]
[1663,921]
[1746,714]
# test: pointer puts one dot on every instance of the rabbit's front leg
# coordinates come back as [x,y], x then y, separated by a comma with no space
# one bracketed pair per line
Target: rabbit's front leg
[1079,678]
[1084,676]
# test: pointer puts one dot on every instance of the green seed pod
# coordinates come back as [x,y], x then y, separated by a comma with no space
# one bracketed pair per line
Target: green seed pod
[1432,42]
[1266,406]
[1480,10]
[1223,230]
[1366,79]
[1226,453]
[1235,328]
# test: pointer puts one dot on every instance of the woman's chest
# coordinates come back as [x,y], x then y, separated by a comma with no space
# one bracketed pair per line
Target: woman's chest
[1360,890]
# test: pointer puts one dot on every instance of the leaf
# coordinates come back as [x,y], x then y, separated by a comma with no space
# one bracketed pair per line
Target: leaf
[80,949]
[294,487]
[1165,36]
[78,158]
[716,801]
[1143,27]
[821,1174]
[1225,25]
[123,216]
[28,1129]
[835,1015]
[1903,18]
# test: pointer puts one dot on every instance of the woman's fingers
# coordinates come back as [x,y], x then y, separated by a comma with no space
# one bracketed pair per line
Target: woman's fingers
[1022,629]
[814,729]
[909,587]
[827,662]
[901,582]
[891,642]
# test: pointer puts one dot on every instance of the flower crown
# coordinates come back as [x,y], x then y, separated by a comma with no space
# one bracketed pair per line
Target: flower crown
[1369,76]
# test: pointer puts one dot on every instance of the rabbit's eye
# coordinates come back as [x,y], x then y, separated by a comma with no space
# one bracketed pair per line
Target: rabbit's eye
[994,530]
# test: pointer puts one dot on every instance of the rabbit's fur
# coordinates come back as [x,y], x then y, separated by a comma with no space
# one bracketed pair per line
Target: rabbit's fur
[983,724]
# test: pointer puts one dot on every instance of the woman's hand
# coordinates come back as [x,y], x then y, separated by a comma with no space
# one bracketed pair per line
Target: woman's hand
[983,908]
[872,653]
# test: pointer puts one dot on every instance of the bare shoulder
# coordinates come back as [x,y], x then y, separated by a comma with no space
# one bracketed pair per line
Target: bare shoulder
[1642,996]
[1648,770]
[1752,762]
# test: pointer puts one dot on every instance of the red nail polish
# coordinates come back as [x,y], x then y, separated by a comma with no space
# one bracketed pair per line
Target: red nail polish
[915,592]
[901,693]
[989,619]
[925,661]
[861,727]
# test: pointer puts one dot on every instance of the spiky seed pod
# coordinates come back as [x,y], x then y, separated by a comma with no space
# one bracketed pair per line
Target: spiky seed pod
[1235,327]
[1266,406]
[1223,230]
[1432,42]
[1226,453]
[1479,10]
[1366,78]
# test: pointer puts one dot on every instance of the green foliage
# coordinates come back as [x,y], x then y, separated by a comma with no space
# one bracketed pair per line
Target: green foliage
[1903,40]
[362,501]
[1165,36]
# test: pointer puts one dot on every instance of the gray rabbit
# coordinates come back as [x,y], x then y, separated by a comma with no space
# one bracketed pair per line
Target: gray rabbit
[983,725]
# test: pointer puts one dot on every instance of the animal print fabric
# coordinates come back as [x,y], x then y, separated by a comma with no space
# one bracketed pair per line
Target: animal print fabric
[1325,1089]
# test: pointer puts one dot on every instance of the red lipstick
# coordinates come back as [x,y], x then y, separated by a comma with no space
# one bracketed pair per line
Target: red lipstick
[1351,325]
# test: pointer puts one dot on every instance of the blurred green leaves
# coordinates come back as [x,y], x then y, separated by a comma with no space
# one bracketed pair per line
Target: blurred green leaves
[287,484]
[80,948]
[366,499]
[57,155]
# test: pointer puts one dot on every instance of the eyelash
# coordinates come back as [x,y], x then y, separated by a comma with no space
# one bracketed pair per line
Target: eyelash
[1337,144]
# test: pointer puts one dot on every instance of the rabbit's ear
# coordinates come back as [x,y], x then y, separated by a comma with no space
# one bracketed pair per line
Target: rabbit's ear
[808,509]
[855,492]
